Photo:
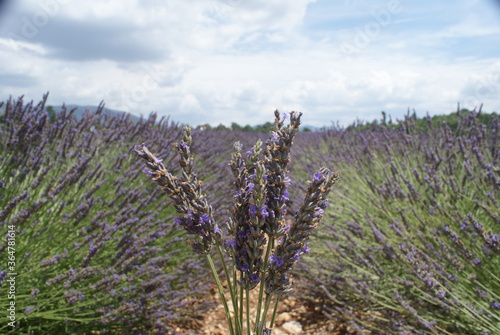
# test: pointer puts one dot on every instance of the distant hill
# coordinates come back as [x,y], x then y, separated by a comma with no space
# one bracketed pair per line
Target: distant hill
[80,109]
[306,127]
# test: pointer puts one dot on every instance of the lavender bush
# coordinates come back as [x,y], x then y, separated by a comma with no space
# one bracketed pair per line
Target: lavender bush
[413,244]
[95,249]
[261,243]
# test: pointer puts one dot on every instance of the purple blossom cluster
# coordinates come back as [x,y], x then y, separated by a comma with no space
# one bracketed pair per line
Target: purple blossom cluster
[294,243]
[185,192]
[248,214]
[262,245]
[277,157]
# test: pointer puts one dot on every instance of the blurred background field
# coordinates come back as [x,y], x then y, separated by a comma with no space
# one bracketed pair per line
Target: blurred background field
[410,243]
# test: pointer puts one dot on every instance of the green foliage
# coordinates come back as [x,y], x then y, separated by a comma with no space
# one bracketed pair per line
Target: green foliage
[261,128]
[52,114]
[220,127]
[264,128]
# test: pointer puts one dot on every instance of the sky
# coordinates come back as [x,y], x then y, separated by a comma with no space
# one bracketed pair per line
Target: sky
[223,61]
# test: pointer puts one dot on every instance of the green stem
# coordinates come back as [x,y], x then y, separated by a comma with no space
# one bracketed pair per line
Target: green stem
[266,308]
[221,294]
[275,309]
[226,273]
[234,297]
[232,289]
[235,271]
[262,284]
[248,311]
[242,298]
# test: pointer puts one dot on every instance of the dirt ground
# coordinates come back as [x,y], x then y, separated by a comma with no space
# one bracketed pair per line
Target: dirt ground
[292,318]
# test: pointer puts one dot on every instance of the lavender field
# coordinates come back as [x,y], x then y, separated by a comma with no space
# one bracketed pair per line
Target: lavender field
[409,243]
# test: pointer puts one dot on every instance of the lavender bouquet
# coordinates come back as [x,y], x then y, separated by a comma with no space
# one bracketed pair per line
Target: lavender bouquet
[261,241]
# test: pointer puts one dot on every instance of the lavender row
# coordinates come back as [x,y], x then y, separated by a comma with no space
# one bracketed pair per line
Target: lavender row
[412,244]
[412,227]
[96,249]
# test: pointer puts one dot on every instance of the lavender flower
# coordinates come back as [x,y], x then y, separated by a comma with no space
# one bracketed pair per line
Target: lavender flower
[294,242]
[248,214]
[277,157]
[186,195]
[257,215]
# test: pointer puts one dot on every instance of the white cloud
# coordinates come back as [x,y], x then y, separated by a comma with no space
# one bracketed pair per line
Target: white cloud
[209,61]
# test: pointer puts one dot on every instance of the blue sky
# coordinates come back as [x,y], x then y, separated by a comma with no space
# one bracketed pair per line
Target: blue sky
[223,61]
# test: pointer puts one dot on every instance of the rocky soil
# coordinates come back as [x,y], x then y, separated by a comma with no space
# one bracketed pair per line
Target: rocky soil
[293,318]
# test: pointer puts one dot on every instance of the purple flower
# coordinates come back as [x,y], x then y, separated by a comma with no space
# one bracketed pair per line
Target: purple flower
[263,211]
[149,173]
[205,218]
[285,196]
[275,136]
[251,187]
[441,294]
[74,296]
[318,177]
[231,243]
[252,210]
[276,261]
[306,248]
[288,181]
[495,305]
[242,234]
[476,261]
[319,212]
[29,309]
[297,255]
[254,278]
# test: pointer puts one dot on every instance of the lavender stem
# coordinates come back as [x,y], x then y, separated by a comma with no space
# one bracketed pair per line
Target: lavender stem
[221,293]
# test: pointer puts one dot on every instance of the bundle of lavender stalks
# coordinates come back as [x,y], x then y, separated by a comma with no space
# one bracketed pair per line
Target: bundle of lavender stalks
[261,243]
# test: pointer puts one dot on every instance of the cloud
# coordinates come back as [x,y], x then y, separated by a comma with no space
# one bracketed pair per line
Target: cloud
[17,80]
[81,40]
[223,61]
